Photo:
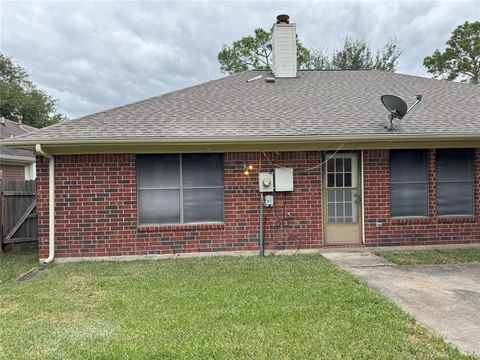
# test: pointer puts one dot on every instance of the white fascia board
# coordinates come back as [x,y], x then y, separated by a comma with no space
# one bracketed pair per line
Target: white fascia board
[4,158]
[248,139]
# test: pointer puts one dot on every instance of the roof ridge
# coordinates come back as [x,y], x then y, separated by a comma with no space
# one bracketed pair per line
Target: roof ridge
[338,70]
[444,81]
[20,125]
[27,133]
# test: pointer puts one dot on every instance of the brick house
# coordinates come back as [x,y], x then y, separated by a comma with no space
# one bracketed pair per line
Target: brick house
[15,164]
[182,172]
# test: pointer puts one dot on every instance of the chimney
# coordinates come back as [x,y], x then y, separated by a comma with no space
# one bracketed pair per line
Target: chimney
[284,48]
[20,119]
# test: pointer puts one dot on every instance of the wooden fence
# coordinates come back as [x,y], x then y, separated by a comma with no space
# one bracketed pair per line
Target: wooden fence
[18,218]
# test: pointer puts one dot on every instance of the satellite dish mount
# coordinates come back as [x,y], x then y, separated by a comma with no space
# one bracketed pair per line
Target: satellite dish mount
[397,108]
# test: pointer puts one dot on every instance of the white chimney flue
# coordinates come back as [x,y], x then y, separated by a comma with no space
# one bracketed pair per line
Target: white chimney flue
[284,48]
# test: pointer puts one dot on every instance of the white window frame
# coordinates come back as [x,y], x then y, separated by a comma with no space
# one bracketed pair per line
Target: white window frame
[30,171]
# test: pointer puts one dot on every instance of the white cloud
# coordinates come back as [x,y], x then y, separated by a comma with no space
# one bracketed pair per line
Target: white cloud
[96,55]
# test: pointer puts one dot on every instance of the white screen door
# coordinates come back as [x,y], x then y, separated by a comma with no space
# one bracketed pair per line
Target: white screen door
[342,199]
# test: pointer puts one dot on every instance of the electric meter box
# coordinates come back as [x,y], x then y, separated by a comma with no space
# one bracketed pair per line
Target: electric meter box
[265,182]
[284,179]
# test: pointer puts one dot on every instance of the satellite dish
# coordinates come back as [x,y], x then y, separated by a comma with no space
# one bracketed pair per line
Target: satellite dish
[397,108]
[395,104]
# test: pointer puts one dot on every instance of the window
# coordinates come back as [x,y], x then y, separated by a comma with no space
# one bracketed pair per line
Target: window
[342,188]
[409,182]
[180,189]
[455,182]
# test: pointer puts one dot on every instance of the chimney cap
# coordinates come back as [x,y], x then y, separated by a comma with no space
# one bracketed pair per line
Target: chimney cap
[283,19]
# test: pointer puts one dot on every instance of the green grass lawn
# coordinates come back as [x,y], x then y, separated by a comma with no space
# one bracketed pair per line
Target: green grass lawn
[299,307]
[451,256]
[14,265]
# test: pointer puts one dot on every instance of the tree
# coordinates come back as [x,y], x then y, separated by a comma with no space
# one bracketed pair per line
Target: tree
[254,52]
[461,58]
[356,54]
[387,58]
[19,96]
[318,60]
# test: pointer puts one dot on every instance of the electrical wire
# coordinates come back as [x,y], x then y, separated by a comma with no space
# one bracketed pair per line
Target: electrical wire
[289,238]
[269,161]
[324,162]
[311,168]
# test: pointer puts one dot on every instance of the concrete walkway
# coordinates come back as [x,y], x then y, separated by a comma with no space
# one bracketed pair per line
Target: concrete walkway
[444,298]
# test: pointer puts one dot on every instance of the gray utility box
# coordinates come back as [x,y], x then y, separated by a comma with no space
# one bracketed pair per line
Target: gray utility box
[268,202]
[284,179]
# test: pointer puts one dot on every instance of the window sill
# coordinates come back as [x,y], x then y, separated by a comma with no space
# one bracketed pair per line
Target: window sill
[410,219]
[456,218]
[439,219]
[179,227]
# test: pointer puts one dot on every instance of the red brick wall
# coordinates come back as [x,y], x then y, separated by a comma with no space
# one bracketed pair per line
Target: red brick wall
[13,172]
[97,216]
[96,211]
[382,230]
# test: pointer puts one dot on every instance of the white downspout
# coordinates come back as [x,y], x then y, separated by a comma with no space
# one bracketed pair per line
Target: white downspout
[363,196]
[51,203]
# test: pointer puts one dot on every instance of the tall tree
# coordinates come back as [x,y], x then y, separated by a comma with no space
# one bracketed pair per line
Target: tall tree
[387,58]
[20,96]
[461,58]
[318,60]
[254,52]
[356,54]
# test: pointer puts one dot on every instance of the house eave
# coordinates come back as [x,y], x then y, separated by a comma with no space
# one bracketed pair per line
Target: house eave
[14,159]
[249,143]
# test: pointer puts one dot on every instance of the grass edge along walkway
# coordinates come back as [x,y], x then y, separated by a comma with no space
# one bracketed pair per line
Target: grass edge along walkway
[433,257]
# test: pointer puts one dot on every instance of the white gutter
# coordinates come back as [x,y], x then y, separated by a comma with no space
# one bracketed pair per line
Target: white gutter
[51,203]
[352,138]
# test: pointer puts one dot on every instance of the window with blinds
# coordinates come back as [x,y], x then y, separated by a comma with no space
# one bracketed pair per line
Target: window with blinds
[409,182]
[455,182]
[180,189]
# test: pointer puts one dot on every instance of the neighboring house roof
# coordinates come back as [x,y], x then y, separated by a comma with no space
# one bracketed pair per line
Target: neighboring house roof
[8,130]
[316,103]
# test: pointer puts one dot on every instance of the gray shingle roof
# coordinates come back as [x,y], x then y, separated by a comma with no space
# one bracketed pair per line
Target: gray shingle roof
[314,103]
[9,129]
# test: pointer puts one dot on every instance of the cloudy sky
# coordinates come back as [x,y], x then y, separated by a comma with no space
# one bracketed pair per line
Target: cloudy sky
[93,55]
